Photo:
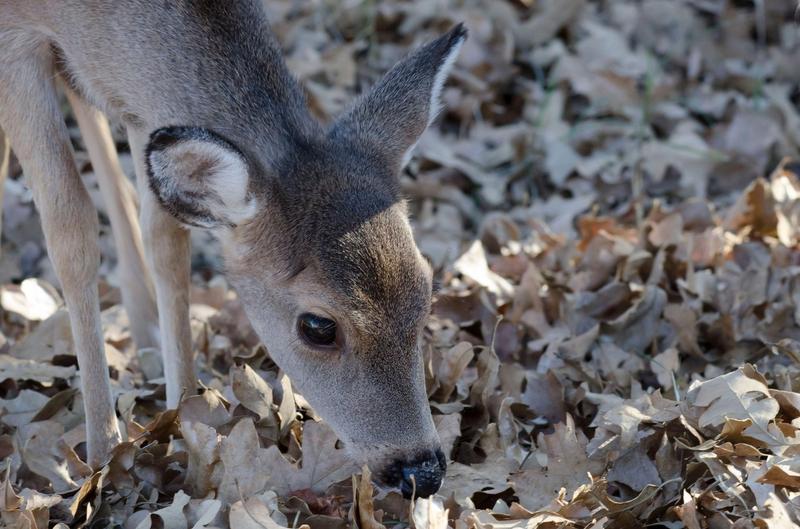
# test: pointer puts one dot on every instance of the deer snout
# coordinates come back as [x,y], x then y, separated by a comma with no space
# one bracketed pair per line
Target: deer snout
[421,475]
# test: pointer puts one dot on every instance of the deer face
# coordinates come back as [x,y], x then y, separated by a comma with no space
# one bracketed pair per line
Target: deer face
[343,320]
[321,253]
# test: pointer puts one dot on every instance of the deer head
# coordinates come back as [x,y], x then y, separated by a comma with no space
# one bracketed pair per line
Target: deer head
[319,248]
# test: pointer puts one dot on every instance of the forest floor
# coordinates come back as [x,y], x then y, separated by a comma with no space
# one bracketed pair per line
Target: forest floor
[612,211]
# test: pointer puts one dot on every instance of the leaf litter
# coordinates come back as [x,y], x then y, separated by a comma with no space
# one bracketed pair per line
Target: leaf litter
[611,205]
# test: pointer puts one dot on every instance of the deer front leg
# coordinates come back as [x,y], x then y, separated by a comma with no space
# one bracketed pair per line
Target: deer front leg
[135,283]
[30,115]
[167,249]
[5,156]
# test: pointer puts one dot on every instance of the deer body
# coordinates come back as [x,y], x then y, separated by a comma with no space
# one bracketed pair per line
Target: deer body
[315,235]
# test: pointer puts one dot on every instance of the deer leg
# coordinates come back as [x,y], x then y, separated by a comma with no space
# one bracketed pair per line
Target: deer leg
[118,194]
[167,248]
[5,157]
[31,117]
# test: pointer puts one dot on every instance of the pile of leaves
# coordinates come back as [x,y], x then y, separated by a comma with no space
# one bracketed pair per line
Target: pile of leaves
[616,341]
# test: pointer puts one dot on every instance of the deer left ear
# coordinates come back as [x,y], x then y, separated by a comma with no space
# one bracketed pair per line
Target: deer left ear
[199,177]
[392,116]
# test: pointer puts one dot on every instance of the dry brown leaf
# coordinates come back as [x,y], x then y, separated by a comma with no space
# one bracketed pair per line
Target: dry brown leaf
[449,429]
[322,464]
[562,463]
[203,470]
[363,510]
[33,299]
[491,476]
[286,411]
[665,365]
[251,390]
[20,410]
[736,396]
[452,363]
[32,370]
[636,329]
[170,517]
[208,408]
[429,513]
[634,469]
[38,446]
[781,472]
[51,337]
[473,264]
[203,513]
[253,513]
[243,474]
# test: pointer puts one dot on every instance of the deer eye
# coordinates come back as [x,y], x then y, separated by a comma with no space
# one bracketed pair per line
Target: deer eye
[316,330]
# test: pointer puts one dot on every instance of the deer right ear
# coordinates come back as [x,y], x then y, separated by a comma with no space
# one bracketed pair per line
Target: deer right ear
[199,177]
[392,116]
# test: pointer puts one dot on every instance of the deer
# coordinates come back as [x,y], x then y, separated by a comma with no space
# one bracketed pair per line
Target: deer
[314,231]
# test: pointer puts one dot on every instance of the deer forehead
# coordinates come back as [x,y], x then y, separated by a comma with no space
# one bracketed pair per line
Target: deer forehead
[354,245]
[337,216]
[372,251]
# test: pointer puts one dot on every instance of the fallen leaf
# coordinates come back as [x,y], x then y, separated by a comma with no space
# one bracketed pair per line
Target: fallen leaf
[564,465]
[243,474]
[251,390]
[363,510]
[473,264]
[736,395]
[253,514]
[170,517]
[429,513]
[322,464]
[33,299]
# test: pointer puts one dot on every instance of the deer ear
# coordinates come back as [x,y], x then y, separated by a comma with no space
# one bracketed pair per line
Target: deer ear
[392,116]
[199,177]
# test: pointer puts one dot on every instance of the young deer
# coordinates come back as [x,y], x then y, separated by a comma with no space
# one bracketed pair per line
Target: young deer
[315,235]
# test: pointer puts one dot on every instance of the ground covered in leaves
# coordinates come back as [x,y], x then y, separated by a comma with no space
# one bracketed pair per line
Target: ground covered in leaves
[616,342]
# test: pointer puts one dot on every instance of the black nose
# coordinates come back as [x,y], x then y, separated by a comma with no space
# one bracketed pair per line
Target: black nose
[423,475]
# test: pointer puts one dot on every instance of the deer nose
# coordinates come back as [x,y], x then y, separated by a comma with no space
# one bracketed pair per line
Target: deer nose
[423,475]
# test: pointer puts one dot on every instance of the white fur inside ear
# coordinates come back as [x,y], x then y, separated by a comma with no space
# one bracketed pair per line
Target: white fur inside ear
[435,105]
[212,176]
[441,77]
[230,183]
